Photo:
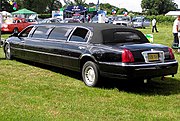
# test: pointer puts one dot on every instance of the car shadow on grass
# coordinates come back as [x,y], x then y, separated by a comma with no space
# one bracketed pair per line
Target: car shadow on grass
[62,71]
[156,86]
[2,59]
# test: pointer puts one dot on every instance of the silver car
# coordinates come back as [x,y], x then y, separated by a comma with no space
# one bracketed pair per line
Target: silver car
[140,22]
[123,20]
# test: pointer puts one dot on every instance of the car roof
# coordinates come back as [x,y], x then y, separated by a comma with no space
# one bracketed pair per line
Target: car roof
[101,31]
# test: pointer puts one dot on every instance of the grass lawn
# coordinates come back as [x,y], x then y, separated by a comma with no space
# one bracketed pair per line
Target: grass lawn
[31,92]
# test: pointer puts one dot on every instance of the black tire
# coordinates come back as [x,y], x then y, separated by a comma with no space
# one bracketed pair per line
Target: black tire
[90,74]
[15,30]
[7,51]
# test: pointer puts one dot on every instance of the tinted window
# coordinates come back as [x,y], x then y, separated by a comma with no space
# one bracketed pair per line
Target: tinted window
[122,37]
[40,32]
[59,33]
[17,21]
[80,35]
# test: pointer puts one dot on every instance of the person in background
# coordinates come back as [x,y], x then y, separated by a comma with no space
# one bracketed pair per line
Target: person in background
[154,25]
[176,28]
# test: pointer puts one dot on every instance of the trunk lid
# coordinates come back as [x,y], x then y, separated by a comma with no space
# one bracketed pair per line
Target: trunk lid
[140,51]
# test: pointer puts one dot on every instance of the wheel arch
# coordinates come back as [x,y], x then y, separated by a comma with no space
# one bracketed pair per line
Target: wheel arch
[85,58]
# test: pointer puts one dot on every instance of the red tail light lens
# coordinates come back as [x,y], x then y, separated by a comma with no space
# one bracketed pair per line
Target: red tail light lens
[171,53]
[127,56]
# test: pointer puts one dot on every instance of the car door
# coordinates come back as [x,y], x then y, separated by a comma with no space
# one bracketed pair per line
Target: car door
[36,46]
[74,47]
[57,38]
[18,44]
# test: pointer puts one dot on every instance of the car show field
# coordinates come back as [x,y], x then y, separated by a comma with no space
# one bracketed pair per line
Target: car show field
[33,91]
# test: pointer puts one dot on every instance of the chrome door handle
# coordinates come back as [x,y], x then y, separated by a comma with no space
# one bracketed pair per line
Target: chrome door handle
[80,47]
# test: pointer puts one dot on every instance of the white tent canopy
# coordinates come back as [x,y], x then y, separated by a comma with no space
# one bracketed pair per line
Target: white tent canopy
[173,13]
[5,13]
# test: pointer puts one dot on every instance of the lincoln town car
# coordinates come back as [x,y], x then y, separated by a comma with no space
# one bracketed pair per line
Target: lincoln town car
[94,50]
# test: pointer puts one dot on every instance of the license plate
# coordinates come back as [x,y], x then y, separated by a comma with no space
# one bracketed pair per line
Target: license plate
[153,57]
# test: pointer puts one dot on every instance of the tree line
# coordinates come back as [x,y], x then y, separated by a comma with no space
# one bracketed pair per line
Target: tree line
[158,7]
[149,7]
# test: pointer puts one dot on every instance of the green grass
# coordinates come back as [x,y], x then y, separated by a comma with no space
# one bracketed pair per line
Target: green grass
[32,92]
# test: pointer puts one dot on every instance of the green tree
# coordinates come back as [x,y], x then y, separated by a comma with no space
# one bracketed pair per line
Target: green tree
[75,2]
[35,5]
[40,6]
[108,7]
[54,5]
[5,6]
[157,7]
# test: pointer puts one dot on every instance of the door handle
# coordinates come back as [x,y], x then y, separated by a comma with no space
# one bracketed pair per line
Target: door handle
[80,47]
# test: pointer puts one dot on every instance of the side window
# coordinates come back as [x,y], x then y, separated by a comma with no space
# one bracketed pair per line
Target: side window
[25,33]
[41,32]
[59,33]
[80,35]
[16,21]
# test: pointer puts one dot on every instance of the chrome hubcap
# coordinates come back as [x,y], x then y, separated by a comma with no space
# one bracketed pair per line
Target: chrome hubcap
[89,75]
[8,51]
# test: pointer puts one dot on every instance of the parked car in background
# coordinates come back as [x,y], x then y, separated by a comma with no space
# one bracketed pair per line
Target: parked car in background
[110,19]
[31,20]
[71,20]
[51,20]
[17,25]
[95,50]
[123,20]
[95,20]
[79,17]
[140,22]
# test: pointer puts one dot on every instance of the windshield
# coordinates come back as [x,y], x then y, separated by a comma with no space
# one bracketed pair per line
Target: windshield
[122,18]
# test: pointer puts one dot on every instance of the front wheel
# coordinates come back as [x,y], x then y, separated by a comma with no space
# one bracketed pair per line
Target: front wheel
[90,74]
[7,51]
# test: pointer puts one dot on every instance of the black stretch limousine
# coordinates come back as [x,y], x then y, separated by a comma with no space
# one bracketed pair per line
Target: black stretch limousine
[95,50]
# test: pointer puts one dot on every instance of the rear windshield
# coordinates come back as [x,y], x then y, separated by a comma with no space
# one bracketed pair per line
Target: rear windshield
[124,37]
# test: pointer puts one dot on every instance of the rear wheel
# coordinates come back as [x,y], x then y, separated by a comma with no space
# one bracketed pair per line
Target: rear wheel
[7,51]
[90,74]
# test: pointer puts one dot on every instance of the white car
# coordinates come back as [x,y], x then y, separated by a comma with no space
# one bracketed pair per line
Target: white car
[123,20]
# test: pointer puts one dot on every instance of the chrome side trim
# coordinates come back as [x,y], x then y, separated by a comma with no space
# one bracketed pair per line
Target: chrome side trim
[45,53]
[139,65]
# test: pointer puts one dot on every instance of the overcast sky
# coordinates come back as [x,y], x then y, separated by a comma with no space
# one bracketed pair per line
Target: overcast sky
[134,5]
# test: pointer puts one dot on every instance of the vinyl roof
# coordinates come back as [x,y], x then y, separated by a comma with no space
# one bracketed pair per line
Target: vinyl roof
[101,32]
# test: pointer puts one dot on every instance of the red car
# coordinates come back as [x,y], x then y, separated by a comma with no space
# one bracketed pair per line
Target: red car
[17,25]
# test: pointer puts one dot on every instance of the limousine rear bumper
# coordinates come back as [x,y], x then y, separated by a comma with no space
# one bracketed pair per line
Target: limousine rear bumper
[131,71]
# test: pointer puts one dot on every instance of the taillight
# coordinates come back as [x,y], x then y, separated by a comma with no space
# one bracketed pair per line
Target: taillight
[171,53]
[127,56]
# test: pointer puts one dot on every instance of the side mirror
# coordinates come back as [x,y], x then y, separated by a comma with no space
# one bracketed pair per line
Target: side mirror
[15,34]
